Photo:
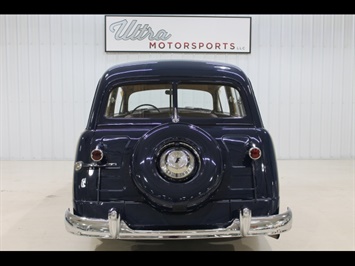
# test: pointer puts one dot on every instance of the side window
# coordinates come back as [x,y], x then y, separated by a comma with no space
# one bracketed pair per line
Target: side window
[230,103]
[240,110]
[223,105]
[114,103]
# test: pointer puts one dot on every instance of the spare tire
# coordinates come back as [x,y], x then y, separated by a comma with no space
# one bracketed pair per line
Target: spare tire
[177,166]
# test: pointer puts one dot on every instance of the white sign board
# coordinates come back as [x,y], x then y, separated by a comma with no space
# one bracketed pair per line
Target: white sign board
[215,34]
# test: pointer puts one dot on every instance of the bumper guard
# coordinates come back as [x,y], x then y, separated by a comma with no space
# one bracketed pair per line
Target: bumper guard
[115,228]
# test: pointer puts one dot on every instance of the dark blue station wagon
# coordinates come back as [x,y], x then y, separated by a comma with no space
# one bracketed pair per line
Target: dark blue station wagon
[175,149]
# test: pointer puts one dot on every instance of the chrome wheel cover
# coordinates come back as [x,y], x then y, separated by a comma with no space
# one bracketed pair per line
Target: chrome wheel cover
[178,162]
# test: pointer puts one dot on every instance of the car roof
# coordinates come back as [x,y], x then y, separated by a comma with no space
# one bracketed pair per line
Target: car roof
[175,68]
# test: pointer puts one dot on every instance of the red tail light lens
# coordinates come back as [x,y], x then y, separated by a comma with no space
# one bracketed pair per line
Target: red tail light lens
[254,153]
[97,155]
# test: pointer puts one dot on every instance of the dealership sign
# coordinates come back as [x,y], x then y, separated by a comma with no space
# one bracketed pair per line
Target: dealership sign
[215,34]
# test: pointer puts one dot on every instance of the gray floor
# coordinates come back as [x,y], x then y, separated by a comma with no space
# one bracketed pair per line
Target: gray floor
[321,193]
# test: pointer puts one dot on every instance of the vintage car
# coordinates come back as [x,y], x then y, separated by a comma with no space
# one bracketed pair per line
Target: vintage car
[175,149]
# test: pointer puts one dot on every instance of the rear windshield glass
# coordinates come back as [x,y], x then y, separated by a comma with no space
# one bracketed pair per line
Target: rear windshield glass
[156,100]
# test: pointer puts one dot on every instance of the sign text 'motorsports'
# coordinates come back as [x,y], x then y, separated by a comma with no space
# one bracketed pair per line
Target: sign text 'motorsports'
[178,34]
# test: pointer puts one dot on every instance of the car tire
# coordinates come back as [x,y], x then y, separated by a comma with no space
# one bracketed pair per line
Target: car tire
[191,181]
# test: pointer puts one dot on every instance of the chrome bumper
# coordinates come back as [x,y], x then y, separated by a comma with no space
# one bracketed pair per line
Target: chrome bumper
[115,228]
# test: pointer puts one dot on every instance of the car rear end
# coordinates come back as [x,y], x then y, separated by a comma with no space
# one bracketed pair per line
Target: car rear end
[182,170]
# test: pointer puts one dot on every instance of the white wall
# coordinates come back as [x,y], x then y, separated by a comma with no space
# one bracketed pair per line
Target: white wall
[302,68]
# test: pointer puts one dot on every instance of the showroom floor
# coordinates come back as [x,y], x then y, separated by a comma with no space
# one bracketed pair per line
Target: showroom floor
[321,194]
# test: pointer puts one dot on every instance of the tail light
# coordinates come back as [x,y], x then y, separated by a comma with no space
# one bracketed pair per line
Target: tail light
[97,155]
[254,153]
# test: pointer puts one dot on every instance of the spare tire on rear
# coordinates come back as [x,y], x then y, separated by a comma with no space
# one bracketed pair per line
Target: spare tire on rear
[177,166]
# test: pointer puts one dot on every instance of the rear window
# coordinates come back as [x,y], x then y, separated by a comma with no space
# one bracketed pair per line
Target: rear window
[156,100]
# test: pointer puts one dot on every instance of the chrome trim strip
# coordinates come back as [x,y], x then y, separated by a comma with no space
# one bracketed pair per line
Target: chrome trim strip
[95,165]
[115,228]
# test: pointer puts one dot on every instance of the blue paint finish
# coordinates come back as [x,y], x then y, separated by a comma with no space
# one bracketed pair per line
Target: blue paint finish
[226,179]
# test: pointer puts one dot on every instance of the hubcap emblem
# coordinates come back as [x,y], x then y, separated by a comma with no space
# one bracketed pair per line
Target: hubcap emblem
[177,163]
